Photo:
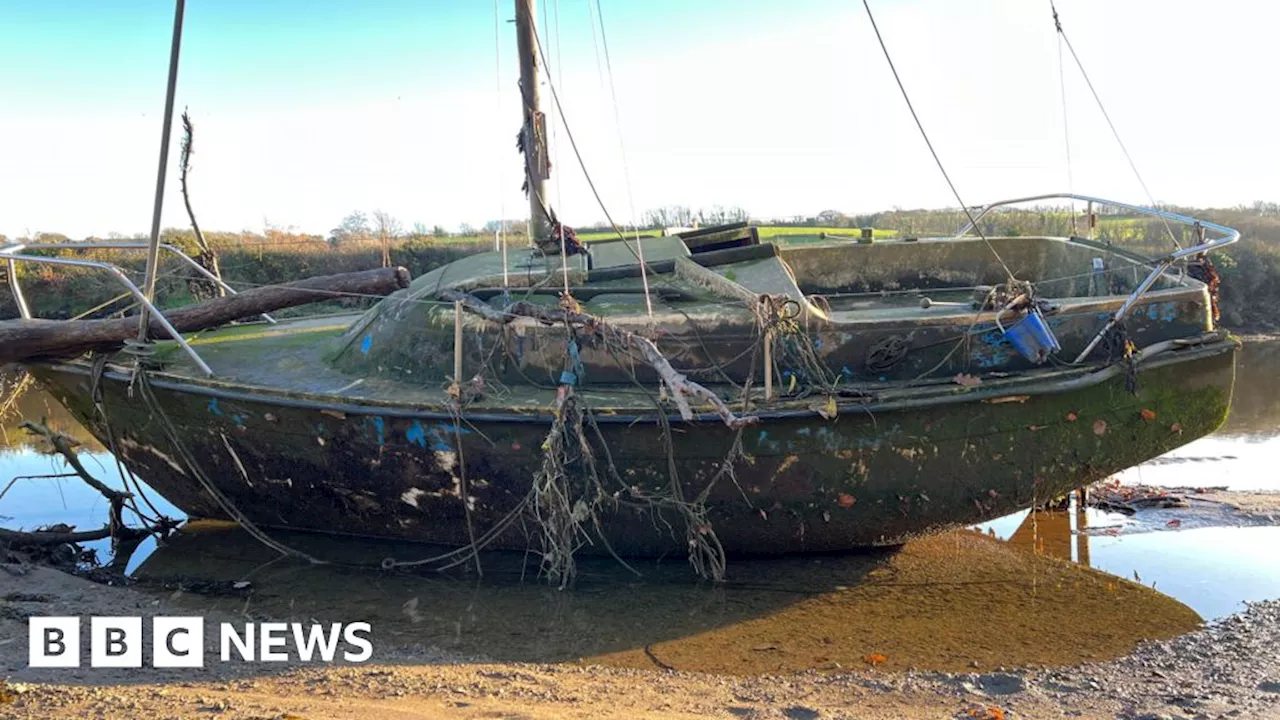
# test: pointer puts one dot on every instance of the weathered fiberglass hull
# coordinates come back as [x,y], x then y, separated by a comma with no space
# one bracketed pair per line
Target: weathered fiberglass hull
[911,462]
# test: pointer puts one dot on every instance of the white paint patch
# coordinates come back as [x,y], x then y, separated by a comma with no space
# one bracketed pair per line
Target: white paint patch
[132,445]
[447,459]
[410,496]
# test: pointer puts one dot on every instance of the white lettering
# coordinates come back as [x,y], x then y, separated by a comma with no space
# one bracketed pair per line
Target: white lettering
[316,637]
[243,645]
[273,636]
[350,634]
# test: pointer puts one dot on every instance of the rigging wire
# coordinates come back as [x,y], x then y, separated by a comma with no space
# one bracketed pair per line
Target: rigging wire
[547,68]
[578,153]
[626,171]
[595,42]
[502,174]
[1114,132]
[927,142]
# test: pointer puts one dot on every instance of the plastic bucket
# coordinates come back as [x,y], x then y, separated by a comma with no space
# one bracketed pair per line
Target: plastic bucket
[1032,337]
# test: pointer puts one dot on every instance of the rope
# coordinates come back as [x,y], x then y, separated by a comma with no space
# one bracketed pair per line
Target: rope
[1114,133]
[927,142]
[626,170]
[1066,132]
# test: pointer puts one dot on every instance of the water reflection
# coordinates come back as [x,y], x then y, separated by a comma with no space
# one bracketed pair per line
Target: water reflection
[1255,408]
[947,602]
[1214,570]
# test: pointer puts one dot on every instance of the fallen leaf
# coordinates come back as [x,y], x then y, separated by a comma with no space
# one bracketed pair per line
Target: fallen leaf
[828,409]
[764,515]
[1036,428]
[967,380]
[1176,428]
[1148,415]
[874,659]
[1100,428]
[846,500]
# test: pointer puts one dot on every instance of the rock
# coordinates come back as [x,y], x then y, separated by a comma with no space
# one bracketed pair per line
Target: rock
[1001,683]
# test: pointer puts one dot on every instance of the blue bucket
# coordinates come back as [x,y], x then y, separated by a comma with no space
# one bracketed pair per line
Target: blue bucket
[1032,337]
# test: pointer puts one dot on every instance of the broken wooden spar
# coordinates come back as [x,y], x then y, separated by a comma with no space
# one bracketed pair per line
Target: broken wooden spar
[25,339]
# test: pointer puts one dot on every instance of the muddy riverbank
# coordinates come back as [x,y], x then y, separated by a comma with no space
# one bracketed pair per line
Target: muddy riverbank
[1230,668]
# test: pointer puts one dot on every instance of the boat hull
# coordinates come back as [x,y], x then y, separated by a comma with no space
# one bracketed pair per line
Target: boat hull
[876,474]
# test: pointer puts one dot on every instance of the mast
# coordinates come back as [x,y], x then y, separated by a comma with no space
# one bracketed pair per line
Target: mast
[533,133]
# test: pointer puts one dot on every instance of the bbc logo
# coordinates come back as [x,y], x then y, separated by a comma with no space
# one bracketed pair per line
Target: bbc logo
[179,642]
[115,642]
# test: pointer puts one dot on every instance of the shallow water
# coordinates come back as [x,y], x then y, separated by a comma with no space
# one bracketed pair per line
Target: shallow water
[952,602]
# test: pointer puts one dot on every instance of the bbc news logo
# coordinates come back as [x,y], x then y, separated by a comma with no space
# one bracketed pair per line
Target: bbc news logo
[179,642]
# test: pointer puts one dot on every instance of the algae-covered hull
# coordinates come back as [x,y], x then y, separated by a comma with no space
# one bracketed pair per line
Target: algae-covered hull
[880,471]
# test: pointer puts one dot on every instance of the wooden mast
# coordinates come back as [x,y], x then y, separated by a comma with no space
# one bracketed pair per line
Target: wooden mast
[533,133]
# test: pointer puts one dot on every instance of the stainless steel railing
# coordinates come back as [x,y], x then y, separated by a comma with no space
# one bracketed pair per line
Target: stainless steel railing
[1162,265]
[13,255]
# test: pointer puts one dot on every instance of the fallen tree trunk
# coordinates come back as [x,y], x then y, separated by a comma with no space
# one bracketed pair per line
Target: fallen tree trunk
[25,339]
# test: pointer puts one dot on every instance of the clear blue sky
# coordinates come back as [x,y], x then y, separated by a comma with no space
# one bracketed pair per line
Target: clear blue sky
[308,110]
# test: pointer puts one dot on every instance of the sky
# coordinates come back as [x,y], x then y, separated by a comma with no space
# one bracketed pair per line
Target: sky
[306,110]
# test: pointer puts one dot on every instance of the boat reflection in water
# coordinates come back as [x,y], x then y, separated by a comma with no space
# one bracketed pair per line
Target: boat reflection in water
[945,602]
[1056,533]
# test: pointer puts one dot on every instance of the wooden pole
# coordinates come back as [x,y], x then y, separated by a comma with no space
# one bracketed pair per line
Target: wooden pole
[534,130]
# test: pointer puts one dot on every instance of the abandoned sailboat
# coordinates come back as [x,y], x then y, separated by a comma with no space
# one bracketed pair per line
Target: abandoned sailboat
[720,395]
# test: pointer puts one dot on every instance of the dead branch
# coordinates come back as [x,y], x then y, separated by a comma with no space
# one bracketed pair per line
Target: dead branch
[44,537]
[65,446]
[208,257]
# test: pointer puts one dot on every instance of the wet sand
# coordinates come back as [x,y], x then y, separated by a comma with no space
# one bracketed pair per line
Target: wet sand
[960,602]
[1228,669]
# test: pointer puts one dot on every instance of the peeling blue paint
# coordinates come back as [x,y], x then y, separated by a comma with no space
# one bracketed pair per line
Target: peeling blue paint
[379,428]
[367,343]
[238,419]
[213,406]
[436,438]
[416,435]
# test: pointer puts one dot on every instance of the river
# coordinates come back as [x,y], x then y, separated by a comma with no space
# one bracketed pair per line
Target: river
[950,602]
